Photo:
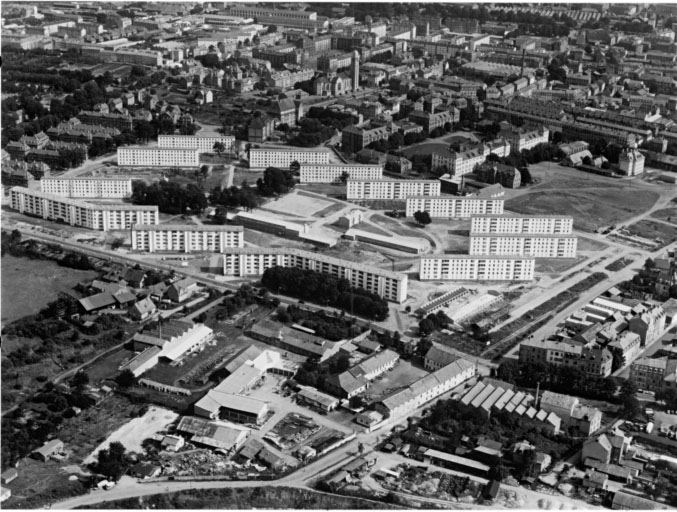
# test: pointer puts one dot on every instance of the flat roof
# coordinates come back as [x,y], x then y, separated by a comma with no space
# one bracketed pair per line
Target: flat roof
[82,178]
[455,198]
[394,240]
[289,149]
[156,148]
[478,257]
[455,459]
[520,235]
[184,227]
[519,215]
[391,181]
[84,204]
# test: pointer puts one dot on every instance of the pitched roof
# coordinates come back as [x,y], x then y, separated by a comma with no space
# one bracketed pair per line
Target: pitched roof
[98,301]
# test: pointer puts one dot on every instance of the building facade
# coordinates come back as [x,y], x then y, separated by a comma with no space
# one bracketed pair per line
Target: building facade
[261,158]
[522,224]
[476,268]
[248,261]
[448,207]
[654,374]
[79,213]
[202,144]
[158,157]
[332,173]
[186,238]
[391,189]
[592,360]
[87,187]
[553,246]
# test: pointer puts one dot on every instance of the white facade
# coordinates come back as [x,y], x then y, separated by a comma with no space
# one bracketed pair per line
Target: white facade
[248,261]
[447,207]
[79,213]
[87,187]
[554,246]
[391,189]
[202,144]
[186,238]
[158,157]
[405,244]
[522,224]
[464,268]
[631,162]
[260,158]
[465,162]
[331,173]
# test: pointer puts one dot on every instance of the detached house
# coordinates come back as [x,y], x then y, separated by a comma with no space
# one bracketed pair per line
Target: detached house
[181,290]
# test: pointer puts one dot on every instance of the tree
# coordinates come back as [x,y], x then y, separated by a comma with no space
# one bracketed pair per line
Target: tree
[669,396]
[426,327]
[422,218]
[630,403]
[219,147]
[80,379]
[271,29]
[345,175]
[126,379]
[113,462]
[526,176]
[357,402]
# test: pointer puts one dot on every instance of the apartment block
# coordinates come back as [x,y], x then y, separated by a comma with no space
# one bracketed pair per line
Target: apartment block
[552,246]
[649,325]
[522,224]
[158,157]
[474,268]
[331,173]
[87,187]
[592,360]
[467,160]
[80,213]
[202,144]
[283,157]
[250,261]
[391,189]
[186,238]
[448,207]
[654,374]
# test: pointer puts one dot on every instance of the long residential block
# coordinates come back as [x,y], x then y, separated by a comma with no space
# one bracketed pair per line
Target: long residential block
[391,189]
[477,268]
[447,207]
[522,224]
[552,246]
[87,187]
[250,261]
[331,173]
[80,213]
[136,156]
[202,144]
[186,238]
[260,158]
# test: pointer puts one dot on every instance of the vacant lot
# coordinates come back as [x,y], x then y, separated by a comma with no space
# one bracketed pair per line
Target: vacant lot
[556,265]
[591,208]
[29,285]
[666,214]
[588,244]
[402,375]
[425,149]
[653,231]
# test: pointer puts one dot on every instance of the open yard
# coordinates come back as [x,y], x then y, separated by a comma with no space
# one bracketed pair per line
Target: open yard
[590,208]
[401,376]
[28,285]
[425,148]
[400,228]
[132,434]
[300,205]
[652,230]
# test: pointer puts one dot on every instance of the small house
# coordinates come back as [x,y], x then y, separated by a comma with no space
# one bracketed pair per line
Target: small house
[172,443]
[48,450]
[142,310]
[145,470]
[5,494]
[181,290]
[135,277]
[9,475]
[491,490]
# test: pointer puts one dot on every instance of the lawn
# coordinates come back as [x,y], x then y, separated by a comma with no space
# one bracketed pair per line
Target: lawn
[588,244]
[654,230]
[425,148]
[666,214]
[327,189]
[23,296]
[399,228]
[370,228]
[591,208]
[556,265]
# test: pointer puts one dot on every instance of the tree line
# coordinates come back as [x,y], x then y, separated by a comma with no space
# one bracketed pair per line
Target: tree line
[325,289]
[170,197]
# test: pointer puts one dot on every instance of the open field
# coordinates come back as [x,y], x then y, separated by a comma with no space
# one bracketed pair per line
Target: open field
[301,205]
[425,148]
[29,285]
[588,244]
[370,228]
[132,434]
[556,265]
[591,208]
[328,189]
[666,214]
[400,228]
[653,231]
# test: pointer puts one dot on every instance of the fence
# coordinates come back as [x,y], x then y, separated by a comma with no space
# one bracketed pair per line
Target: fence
[165,388]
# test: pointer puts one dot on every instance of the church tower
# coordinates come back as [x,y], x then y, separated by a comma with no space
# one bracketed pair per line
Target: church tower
[355,70]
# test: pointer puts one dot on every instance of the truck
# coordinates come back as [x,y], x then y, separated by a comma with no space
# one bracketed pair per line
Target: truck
[649,427]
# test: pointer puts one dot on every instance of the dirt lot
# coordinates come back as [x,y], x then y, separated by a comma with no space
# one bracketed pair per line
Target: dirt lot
[132,434]
[652,230]
[591,208]
[588,244]
[556,265]
[21,296]
[300,205]
[666,214]
[402,375]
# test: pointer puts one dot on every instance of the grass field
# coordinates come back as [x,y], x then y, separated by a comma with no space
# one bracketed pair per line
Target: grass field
[588,244]
[591,208]
[29,285]
[424,149]
[666,214]
[652,230]
[370,228]
[556,265]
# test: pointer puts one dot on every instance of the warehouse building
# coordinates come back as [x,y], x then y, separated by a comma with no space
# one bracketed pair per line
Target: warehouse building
[103,217]
[186,238]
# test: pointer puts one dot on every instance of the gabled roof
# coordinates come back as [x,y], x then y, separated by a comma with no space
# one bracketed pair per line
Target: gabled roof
[98,301]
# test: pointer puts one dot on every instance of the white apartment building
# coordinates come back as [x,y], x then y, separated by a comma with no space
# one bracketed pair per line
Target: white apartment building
[186,238]
[283,157]
[87,187]
[447,207]
[331,173]
[524,224]
[391,189]
[552,246]
[477,268]
[202,144]
[136,156]
[254,261]
[80,213]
